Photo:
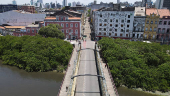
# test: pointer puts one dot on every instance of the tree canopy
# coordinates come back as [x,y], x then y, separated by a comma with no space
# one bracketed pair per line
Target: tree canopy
[52,30]
[137,64]
[35,53]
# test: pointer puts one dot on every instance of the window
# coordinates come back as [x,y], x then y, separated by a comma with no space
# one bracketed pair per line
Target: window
[32,30]
[110,20]
[159,29]
[37,30]
[100,20]
[71,30]
[105,24]
[116,20]
[100,33]
[110,25]
[146,29]
[165,22]
[116,25]
[61,18]
[57,18]
[163,30]
[128,16]
[105,20]
[167,30]
[147,22]
[66,25]
[104,29]
[122,30]
[110,34]
[122,21]
[155,22]
[71,25]
[160,22]
[169,23]
[121,25]
[100,29]
[121,35]
[28,30]
[128,26]
[150,29]
[115,30]
[151,22]
[154,29]
[126,35]
[62,31]
[76,31]
[127,30]
[115,34]
[66,31]
[76,25]
[100,24]
[100,15]
[104,33]
[62,25]
[128,21]
[110,29]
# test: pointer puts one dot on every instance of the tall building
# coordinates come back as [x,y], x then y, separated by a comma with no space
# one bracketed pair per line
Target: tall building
[118,1]
[5,8]
[64,2]
[74,4]
[14,2]
[69,4]
[41,1]
[95,2]
[32,2]
[162,4]
[78,3]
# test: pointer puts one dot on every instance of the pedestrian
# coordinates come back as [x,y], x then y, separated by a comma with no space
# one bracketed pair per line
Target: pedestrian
[66,88]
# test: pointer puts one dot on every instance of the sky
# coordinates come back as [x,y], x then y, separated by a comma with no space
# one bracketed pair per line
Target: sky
[85,2]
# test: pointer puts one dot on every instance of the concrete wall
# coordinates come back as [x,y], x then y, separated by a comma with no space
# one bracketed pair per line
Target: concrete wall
[14,18]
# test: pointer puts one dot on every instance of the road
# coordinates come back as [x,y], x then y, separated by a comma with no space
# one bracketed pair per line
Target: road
[87,85]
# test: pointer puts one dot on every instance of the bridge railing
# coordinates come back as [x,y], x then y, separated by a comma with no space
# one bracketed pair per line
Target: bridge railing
[113,84]
[102,81]
[70,88]
[65,73]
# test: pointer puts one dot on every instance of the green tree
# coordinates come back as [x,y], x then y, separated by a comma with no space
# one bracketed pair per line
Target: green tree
[52,30]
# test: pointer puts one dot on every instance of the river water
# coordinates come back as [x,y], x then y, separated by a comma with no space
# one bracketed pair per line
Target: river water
[17,82]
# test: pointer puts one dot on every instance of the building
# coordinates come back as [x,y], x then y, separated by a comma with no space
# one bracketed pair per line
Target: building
[47,5]
[118,1]
[160,4]
[151,24]
[95,2]
[138,24]
[32,2]
[27,8]
[2,31]
[69,4]
[71,25]
[101,5]
[114,23]
[138,4]
[32,29]
[74,4]
[14,2]
[13,30]
[5,8]
[78,3]
[163,31]
[64,3]
[147,3]
[20,18]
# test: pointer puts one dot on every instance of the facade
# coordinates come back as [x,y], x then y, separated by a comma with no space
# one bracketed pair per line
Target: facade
[70,21]
[151,24]
[74,4]
[64,3]
[101,5]
[162,4]
[32,30]
[109,22]
[32,2]
[2,30]
[5,8]
[147,3]
[14,30]
[20,18]
[26,8]
[14,2]
[138,24]
[118,1]
[138,4]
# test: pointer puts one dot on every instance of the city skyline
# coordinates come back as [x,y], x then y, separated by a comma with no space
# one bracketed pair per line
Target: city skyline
[20,2]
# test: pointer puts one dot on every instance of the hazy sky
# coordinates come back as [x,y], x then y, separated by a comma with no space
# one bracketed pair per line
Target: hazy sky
[60,1]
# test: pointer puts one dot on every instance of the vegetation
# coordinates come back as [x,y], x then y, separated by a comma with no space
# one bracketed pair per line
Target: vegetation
[35,53]
[52,30]
[89,12]
[137,64]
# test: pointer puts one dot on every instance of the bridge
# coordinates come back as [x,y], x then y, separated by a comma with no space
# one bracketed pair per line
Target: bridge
[86,74]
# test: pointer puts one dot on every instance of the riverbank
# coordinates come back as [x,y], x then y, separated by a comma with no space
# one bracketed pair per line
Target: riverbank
[156,93]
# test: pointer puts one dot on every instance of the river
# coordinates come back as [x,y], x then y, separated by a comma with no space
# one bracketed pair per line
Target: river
[17,82]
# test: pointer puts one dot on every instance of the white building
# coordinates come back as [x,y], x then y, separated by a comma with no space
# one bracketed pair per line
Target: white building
[78,3]
[20,18]
[109,22]
[138,24]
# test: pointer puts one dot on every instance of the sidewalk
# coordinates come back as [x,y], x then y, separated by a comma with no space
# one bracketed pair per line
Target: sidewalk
[68,73]
[110,87]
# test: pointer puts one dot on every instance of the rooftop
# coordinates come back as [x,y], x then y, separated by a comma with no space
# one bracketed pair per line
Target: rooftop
[161,12]
[32,25]
[14,27]
[139,11]
[69,18]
